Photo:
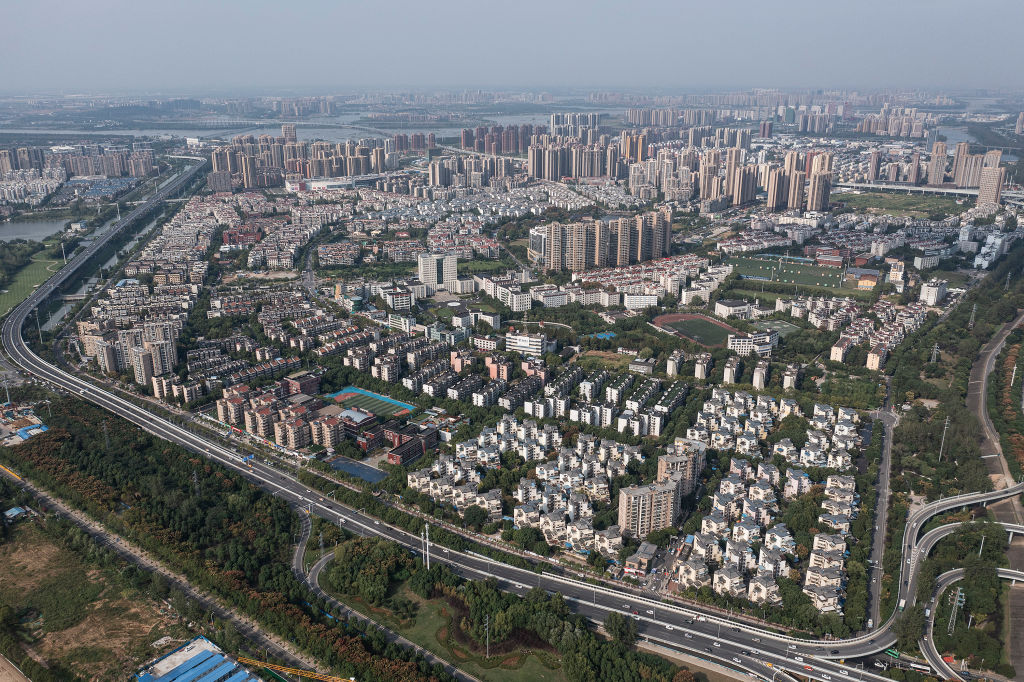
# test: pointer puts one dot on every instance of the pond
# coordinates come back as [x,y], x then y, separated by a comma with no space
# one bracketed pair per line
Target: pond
[358,469]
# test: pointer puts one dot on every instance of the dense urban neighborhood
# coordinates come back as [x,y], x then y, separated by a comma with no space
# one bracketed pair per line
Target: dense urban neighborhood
[568,384]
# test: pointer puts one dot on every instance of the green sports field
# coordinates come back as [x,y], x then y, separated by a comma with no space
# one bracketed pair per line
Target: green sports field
[375,405]
[787,272]
[702,331]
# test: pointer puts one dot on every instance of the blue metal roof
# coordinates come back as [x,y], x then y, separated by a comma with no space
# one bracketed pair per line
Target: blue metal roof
[207,664]
[219,672]
[195,673]
[24,431]
[240,676]
[183,668]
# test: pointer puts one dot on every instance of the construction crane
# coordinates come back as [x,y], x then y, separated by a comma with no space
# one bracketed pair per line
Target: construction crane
[309,674]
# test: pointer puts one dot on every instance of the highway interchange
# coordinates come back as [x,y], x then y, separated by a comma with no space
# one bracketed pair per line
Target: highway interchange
[756,651]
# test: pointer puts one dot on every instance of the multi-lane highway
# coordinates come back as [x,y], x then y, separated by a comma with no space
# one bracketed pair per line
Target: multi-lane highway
[742,646]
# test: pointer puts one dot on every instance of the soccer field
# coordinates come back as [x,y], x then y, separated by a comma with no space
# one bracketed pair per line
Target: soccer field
[702,331]
[374,403]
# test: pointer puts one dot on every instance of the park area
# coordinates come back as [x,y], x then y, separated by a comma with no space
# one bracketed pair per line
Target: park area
[25,281]
[703,330]
[375,403]
[899,204]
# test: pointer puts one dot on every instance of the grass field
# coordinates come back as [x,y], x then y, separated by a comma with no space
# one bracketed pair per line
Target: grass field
[788,272]
[481,266]
[431,627]
[77,615]
[24,282]
[702,331]
[910,205]
[371,402]
[749,289]
[600,359]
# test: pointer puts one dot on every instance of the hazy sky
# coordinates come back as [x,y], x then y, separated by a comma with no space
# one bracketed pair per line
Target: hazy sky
[255,45]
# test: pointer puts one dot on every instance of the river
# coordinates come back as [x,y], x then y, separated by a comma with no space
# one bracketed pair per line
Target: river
[37,230]
[89,283]
[956,134]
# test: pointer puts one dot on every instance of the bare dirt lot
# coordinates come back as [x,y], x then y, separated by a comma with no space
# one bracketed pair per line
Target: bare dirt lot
[76,614]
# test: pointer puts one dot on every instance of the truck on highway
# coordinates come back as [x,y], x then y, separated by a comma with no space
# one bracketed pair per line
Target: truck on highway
[903,604]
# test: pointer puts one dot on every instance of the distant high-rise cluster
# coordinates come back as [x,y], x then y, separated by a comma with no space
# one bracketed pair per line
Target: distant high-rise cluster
[896,122]
[1019,128]
[598,243]
[663,118]
[111,160]
[462,171]
[417,142]
[786,185]
[265,161]
[815,123]
[497,139]
[554,161]
[303,106]
[967,167]
[573,124]
[553,157]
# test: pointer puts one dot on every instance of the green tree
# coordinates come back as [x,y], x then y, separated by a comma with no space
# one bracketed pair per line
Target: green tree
[981,586]
[620,628]
[475,516]
[909,628]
